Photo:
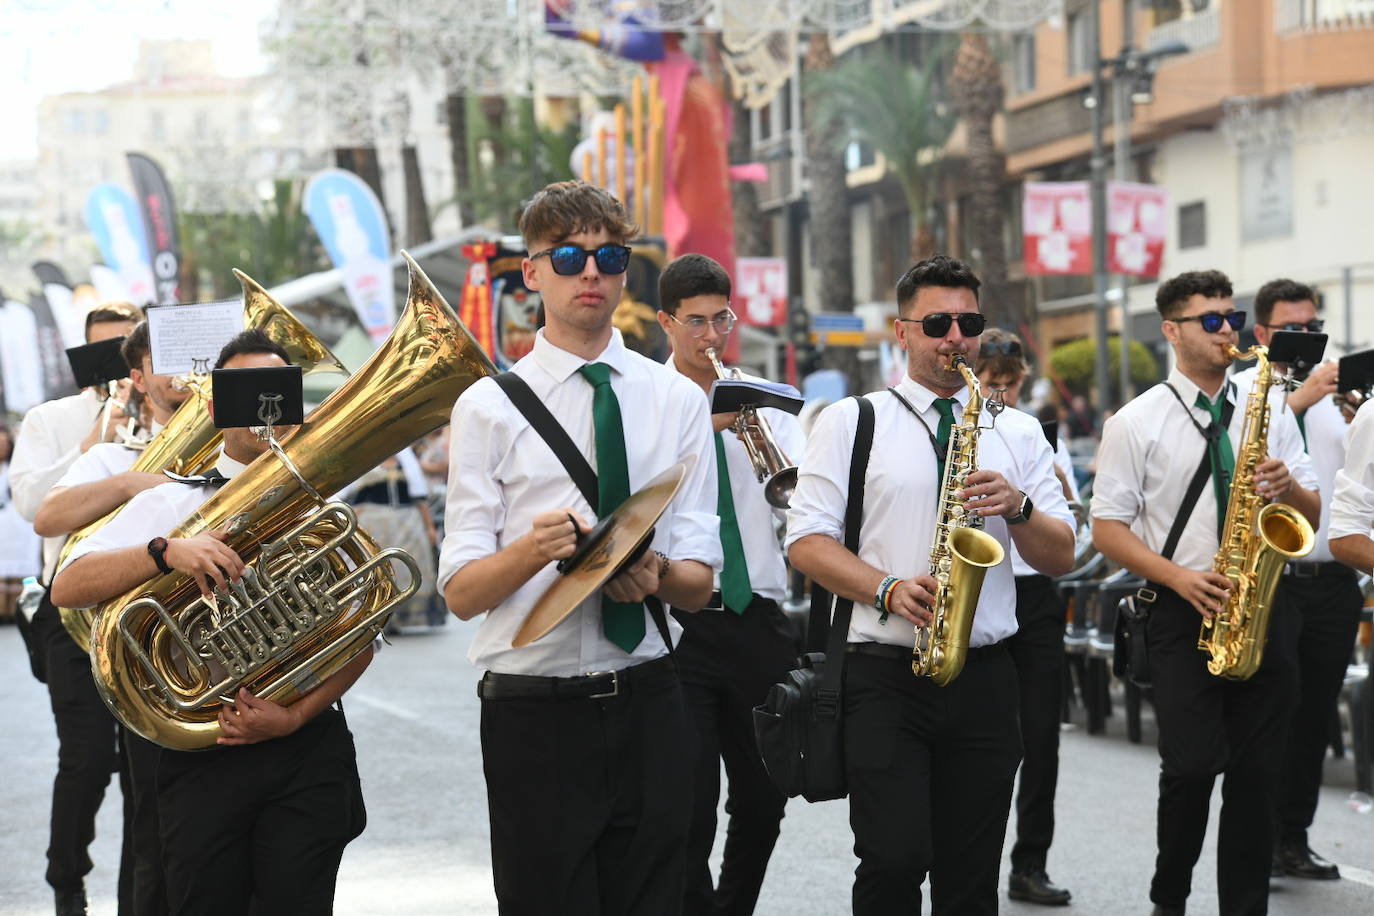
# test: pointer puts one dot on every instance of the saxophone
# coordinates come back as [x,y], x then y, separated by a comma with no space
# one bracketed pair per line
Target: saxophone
[961,555]
[1258,538]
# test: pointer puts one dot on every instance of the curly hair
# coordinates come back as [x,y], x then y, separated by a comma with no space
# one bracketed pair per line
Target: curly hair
[938,270]
[1173,294]
[1276,291]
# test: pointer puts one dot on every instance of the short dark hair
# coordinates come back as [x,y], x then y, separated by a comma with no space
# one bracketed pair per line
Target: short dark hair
[112,311]
[1276,291]
[1001,353]
[250,341]
[1173,294]
[939,270]
[566,208]
[691,275]
[136,345]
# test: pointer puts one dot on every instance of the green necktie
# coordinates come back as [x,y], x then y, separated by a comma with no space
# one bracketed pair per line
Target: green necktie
[622,623]
[735,589]
[1223,459]
[945,406]
[1302,428]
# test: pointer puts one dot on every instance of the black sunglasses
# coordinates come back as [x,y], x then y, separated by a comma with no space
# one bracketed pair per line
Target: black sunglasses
[568,260]
[1212,321]
[1000,348]
[1314,326]
[971,324]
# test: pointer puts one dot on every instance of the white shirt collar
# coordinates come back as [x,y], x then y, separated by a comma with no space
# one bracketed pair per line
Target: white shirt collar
[228,466]
[922,397]
[560,364]
[1188,390]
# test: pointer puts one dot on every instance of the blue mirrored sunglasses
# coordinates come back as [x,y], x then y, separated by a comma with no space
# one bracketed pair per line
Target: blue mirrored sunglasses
[568,260]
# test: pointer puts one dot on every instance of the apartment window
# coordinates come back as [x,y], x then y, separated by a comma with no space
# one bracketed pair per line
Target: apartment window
[1023,63]
[857,155]
[1192,225]
[1081,43]
[76,122]
[100,121]
[157,125]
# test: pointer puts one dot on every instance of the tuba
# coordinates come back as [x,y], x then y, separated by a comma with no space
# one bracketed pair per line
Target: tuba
[318,590]
[189,441]
[772,467]
[961,555]
[1257,539]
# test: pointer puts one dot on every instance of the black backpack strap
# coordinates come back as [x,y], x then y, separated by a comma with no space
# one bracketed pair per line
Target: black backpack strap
[552,432]
[837,627]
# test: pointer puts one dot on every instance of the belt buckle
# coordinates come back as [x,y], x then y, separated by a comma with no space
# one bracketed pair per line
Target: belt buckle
[615,685]
[1302,570]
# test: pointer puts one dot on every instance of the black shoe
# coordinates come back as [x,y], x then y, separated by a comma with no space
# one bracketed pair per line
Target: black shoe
[1300,862]
[71,902]
[1167,910]
[1034,887]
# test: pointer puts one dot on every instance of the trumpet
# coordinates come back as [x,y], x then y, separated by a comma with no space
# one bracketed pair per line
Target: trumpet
[772,467]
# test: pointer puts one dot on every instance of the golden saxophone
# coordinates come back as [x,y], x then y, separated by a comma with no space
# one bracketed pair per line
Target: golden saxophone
[772,467]
[1258,538]
[189,442]
[961,555]
[318,590]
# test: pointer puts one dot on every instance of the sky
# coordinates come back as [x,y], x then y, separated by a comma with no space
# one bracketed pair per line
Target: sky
[53,46]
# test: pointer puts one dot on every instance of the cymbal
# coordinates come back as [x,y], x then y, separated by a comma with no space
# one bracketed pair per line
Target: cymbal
[621,533]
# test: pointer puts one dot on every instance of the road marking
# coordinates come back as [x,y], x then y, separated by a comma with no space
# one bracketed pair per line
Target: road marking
[402,713]
[1358,875]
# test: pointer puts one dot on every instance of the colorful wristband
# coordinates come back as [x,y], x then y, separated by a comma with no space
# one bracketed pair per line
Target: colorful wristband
[884,593]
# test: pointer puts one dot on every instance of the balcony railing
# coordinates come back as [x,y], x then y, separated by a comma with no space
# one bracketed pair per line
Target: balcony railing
[1198,32]
[1292,15]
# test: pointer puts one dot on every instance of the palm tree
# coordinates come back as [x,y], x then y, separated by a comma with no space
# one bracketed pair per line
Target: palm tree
[826,192]
[895,108]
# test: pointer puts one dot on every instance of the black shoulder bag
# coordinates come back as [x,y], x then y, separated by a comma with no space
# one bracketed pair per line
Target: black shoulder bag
[800,726]
[573,461]
[1131,656]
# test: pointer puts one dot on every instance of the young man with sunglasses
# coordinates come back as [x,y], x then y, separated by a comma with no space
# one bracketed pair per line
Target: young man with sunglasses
[586,742]
[740,644]
[929,768]
[1037,648]
[1325,592]
[1152,449]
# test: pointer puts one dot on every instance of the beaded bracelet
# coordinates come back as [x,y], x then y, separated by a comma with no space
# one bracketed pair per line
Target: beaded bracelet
[880,599]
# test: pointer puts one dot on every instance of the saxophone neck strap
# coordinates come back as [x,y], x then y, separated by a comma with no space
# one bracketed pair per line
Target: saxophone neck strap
[930,434]
[1213,430]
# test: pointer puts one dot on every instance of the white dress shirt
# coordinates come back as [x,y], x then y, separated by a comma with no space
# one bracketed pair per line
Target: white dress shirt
[1325,430]
[49,442]
[22,549]
[1064,462]
[100,462]
[901,490]
[757,519]
[1149,453]
[1352,501]
[502,474]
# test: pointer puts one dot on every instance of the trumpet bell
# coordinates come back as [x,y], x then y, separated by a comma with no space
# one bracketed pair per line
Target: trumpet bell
[779,488]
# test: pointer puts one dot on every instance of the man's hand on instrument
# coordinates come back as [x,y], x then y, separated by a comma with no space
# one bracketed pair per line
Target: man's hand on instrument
[250,719]
[1320,384]
[1272,479]
[554,534]
[720,422]
[1205,590]
[911,599]
[637,581]
[205,557]
[989,493]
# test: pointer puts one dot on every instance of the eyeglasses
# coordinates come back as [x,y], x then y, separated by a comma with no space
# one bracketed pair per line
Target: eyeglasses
[723,323]
[937,324]
[1314,326]
[568,260]
[1212,321]
[1000,348]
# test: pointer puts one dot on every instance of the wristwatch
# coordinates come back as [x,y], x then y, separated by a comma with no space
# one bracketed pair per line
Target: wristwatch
[157,549]
[1022,513]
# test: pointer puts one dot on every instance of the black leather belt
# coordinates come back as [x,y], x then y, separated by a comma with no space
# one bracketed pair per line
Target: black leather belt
[903,653]
[714,603]
[598,685]
[1316,570]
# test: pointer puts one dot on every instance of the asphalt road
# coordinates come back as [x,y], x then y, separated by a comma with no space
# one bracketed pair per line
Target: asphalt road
[425,851]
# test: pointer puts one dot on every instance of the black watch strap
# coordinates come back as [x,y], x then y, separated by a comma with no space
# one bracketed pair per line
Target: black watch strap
[157,549]
[1023,513]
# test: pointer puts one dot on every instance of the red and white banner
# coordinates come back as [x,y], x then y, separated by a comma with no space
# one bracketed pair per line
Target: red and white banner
[761,291]
[1056,219]
[1135,228]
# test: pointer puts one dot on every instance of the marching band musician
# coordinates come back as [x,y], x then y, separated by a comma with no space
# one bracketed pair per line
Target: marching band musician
[1037,649]
[1326,593]
[740,644]
[52,437]
[929,768]
[99,482]
[586,745]
[1208,725]
[261,824]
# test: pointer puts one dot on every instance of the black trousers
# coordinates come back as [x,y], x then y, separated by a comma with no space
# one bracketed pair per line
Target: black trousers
[87,753]
[259,829]
[1210,726]
[1037,648]
[727,663]
[589,801]
[930,772]
[1328,618]
[149,885]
